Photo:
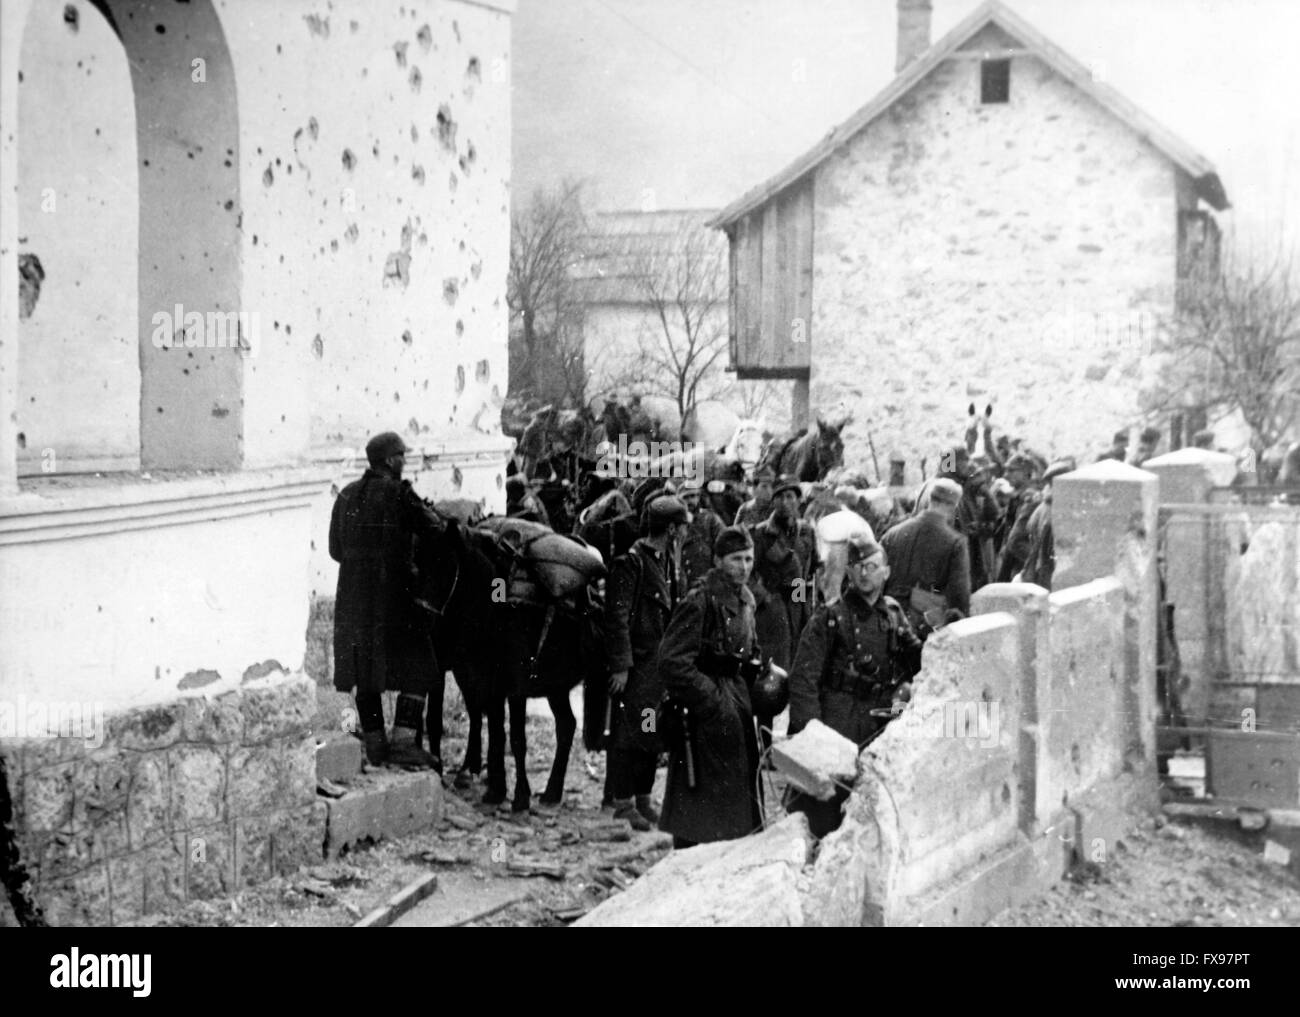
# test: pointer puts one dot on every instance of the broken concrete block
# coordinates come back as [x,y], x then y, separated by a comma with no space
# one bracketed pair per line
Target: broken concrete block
[817,759]
[338,759]
[752,881]
[857,864]
[384,804]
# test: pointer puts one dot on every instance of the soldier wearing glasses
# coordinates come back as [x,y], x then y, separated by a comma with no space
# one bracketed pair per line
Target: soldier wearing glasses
[854,667]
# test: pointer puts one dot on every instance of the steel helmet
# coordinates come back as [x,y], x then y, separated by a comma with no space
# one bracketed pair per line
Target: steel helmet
[770,693]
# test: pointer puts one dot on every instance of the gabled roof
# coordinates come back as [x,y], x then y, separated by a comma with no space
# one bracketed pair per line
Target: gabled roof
[1172,147]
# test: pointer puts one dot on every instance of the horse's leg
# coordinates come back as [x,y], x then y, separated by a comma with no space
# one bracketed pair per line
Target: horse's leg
[472,764]
[495,707]
[566,725]
[519,749]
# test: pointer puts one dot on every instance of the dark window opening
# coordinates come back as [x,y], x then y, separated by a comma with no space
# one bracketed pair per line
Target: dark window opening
[995,81]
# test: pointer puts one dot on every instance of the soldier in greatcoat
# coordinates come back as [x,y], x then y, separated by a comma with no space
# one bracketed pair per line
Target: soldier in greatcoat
[381,639]
[928,553]
[641,592]
[709,638]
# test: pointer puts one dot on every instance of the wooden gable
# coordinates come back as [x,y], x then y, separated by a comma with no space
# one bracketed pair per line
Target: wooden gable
[771,287]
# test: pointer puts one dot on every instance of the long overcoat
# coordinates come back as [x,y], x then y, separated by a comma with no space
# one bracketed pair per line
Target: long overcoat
[381,639]
[638,604]
[715,619]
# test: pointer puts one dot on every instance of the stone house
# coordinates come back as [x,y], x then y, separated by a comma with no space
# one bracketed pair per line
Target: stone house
[251,235]
[996,226]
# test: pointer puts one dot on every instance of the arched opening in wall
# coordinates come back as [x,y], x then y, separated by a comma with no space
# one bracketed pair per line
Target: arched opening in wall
[78,403]
[190,340]
[132,354]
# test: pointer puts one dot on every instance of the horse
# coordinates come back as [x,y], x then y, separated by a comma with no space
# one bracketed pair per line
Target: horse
[502,653]
[810,454]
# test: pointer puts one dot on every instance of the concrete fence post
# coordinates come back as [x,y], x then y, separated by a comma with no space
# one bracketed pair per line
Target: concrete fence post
[1104,519]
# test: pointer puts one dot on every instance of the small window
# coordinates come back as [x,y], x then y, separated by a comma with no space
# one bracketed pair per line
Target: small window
[995,81]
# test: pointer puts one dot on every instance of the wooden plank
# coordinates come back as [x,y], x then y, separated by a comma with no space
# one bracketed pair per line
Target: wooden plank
[782,284]
[769,283]
[803,304]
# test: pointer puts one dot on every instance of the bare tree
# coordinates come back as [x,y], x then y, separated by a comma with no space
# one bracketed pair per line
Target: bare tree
[758,400]
[546,309]
[682,281]
[1234,344]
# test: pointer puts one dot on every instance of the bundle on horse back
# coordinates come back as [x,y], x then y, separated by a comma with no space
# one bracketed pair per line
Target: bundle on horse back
[710,423]
[561,563]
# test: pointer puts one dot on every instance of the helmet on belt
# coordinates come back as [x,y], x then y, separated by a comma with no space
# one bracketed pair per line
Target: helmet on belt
[770,693]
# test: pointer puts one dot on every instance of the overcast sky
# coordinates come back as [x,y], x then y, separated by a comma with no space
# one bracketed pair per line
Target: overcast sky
[697,101]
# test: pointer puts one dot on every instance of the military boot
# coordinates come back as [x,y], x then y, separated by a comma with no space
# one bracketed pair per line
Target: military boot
[405,752]
[624,809]
[376,744]
[644,807]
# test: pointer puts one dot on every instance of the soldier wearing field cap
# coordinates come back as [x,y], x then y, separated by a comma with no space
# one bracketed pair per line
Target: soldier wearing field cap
[381,640]
[641,592]
[854,666]
[930,561]
[700,536]
[711,792]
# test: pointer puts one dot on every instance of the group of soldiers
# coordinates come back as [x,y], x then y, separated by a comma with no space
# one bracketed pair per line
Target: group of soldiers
[698,612]
[711,628]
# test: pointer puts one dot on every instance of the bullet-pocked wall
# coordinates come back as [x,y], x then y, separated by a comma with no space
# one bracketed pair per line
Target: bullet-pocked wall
[375,218]
[78,402]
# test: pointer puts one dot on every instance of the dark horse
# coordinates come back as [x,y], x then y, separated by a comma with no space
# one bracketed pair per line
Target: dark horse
[810,454]
[492,646]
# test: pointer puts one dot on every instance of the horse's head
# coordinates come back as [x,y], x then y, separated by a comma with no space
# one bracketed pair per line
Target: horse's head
[746,445]
[830,446]
[979,432]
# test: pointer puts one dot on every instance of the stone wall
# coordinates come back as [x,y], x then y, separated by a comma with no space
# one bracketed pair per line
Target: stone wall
[1009,254]
[193,798]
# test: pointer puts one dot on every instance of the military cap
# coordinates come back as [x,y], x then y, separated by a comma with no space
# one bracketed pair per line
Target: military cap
[667,508]
[860,547]
[383,446]
[764,472]
[945,492]
[786,482]
[731,540]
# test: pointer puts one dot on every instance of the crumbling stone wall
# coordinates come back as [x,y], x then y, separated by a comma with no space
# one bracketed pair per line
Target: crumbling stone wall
[1013,254]
[186,800]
